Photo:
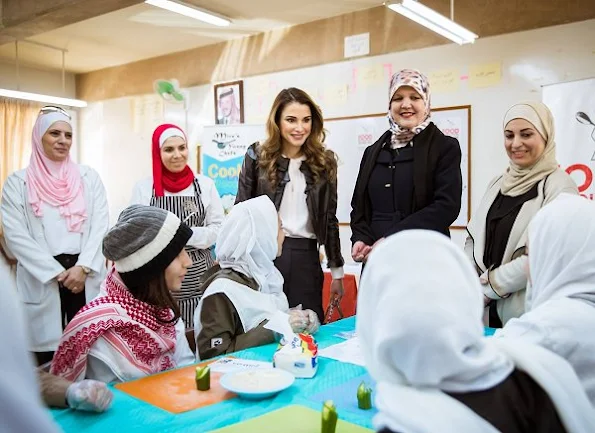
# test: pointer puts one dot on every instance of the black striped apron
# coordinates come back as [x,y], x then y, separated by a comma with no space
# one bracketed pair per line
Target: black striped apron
[190,210]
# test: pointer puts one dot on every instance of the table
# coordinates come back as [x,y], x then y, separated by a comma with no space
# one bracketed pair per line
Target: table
[128,414]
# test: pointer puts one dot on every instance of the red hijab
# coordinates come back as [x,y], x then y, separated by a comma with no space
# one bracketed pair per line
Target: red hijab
[163,179]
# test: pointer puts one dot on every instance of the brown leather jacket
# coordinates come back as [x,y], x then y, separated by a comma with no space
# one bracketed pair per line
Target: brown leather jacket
[321,199]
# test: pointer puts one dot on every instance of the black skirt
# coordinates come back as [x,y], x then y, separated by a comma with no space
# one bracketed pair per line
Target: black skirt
[302,274]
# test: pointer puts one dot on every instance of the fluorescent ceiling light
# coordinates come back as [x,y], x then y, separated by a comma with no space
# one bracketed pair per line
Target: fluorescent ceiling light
[42,98]
[431,19]
[191,11]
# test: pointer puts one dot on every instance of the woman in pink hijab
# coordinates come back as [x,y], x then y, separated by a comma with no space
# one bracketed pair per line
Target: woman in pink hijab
[55,215]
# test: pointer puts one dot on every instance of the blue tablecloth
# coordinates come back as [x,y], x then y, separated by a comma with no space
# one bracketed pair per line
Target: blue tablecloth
[129,414]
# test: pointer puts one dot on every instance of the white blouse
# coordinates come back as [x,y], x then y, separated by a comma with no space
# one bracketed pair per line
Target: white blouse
[202,237]
[293,211]
[57,236]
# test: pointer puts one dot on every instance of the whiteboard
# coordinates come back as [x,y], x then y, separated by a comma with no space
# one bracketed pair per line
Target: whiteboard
[223,148]
[349,137]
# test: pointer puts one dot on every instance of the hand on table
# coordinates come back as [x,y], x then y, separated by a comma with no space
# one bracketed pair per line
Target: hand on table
[298,320]
[313,322]
[73,279]
[89,395]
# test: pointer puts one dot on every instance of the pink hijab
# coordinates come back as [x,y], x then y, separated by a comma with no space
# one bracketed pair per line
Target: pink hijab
[57,184]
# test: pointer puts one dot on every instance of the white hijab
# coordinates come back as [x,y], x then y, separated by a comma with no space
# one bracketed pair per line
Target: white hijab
[247,243]
[562,251]
[419,317]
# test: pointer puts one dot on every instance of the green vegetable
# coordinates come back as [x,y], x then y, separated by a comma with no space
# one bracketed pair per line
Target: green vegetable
[329,417]
[364,396]
[203,378]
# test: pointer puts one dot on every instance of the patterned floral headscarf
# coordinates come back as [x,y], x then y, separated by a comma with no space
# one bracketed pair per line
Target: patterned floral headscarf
[418,81]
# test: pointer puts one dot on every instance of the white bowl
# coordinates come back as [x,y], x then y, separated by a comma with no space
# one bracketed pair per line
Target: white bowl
[257,384]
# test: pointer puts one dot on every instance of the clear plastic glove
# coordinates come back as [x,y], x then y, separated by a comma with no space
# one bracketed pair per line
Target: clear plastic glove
[89,395]
[298,319]
[313,322]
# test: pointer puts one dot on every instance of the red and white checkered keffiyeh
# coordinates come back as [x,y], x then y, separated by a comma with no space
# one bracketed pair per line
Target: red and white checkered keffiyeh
[129,326]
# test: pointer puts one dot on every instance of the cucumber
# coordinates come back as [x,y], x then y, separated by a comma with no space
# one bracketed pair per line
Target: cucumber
[329,417]
[203,378]
[364,397]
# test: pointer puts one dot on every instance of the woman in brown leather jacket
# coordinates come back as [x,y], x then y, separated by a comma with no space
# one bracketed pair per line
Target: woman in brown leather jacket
[299,174]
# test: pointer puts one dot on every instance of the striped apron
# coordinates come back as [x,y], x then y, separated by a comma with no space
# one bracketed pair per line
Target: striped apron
[190,210]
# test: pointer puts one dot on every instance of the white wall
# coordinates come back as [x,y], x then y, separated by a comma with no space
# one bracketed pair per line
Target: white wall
[528,61]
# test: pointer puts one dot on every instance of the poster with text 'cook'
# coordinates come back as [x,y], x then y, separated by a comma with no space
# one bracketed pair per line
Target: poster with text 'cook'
[222,152]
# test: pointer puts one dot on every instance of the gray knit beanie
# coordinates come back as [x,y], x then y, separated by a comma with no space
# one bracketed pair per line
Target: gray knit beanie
[143,243]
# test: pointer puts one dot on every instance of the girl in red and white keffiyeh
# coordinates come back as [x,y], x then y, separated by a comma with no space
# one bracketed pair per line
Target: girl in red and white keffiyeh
[132,329]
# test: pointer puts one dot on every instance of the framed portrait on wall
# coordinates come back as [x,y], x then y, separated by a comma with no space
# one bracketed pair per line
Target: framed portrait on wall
[229,103]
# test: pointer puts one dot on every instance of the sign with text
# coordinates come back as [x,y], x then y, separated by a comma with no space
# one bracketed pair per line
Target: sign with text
[357,45]
[222,151]
[573,107]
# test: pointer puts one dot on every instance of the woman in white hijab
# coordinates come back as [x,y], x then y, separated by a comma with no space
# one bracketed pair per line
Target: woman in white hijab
[419,320]
[245,288]
[560,305]
[498,228]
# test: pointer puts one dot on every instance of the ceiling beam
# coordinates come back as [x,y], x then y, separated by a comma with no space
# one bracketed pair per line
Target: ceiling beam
[20,19]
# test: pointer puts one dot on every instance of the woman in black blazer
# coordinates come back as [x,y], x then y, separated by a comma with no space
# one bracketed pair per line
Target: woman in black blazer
[411,177]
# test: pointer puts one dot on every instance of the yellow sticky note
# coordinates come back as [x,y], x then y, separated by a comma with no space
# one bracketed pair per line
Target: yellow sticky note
[370,75]
[335,95]
[485,75]
[444,81]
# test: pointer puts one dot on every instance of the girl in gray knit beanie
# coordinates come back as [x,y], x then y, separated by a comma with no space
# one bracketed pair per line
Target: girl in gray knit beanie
[132,329]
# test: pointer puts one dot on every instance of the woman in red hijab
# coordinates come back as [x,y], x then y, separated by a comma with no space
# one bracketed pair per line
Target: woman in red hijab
[191,197]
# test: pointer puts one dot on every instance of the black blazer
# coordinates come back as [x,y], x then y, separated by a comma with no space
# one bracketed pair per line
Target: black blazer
[437,185]
[321,199]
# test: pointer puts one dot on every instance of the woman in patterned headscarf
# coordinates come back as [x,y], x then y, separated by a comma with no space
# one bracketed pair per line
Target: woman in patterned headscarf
[411,177]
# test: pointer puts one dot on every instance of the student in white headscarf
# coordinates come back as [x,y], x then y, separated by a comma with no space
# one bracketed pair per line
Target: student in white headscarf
[560,305]
[245,288]
[419,320]
[21,409]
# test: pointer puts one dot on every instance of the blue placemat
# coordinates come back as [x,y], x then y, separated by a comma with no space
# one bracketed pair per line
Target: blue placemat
[345,395]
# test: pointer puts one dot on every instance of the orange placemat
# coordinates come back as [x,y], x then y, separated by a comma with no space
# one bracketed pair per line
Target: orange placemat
[175,390]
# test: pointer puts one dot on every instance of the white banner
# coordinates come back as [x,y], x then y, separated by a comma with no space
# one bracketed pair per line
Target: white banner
[573,107]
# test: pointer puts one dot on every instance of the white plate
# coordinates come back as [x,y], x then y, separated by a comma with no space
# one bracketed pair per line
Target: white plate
[257,384]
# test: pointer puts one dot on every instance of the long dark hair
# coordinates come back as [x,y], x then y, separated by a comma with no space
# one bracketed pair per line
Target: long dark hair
[320,160]
[156,293]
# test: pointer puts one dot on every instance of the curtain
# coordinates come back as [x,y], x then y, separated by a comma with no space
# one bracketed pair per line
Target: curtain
[17,120]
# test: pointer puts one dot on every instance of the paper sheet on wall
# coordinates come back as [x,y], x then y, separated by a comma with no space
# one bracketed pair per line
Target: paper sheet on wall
[348,351]
[485,74]
[370,75]
[444,81]
[335,95]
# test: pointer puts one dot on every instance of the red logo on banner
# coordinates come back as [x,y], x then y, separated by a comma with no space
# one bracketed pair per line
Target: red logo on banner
[586,171]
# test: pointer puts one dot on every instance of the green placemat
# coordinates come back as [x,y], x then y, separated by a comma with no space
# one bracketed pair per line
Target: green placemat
[290,419]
